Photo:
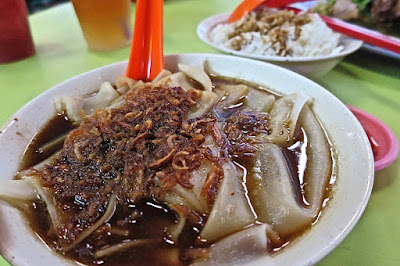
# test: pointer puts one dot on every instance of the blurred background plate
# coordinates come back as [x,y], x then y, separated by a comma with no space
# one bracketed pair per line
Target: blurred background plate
[365,46]
[311,66]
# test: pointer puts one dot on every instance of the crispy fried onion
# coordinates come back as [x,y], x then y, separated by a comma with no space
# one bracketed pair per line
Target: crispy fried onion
[182,162]
[163,160]
[179,161]
[210,188]
[188,157]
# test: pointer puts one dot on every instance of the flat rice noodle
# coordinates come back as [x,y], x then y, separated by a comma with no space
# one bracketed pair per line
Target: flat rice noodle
[259,101]
[121,99]
[178,79]
[206,100]
[117,103]
[319,162]
[204,104]
[271,180]
[231,211]
[198,178]
[174,199]
[39,166]
[209,70]
[176,230]
[73,105]
[188,197]
[46,195]
[192,198]
[48,160]
[239,248]
[210,144]
[107,251]
[102,99]
[53,144]
[233,94]
[219,93]
[124,84]
[198,75]
[272,193]
[18,190]
[164,73]
[284,115]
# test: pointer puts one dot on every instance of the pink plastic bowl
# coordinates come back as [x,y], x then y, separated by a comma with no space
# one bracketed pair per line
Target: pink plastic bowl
[383,142]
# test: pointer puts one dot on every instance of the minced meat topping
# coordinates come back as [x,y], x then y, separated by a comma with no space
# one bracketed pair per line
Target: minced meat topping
[271,22]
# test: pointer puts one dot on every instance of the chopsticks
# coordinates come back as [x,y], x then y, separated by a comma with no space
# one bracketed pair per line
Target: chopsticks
[363,34]
[146,58]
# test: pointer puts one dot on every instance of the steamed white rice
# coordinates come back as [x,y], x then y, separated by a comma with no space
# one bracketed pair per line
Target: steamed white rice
[315,37]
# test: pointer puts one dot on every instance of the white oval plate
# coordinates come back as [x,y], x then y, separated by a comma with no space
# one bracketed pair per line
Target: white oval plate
[312,67]
[20,246]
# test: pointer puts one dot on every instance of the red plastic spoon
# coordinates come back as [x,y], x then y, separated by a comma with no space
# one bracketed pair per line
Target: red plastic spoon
[363,34]
[146,59]
[247,6]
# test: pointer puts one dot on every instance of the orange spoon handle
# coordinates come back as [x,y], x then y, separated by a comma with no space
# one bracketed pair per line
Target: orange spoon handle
[156,61]
[146,58]
[247,6]
[243,9]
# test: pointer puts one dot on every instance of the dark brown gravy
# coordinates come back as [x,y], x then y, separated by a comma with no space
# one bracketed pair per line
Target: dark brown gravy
[56,127]
[154,216]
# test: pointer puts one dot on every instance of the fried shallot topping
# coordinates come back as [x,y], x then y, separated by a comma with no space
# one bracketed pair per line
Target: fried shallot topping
[241,130]
[122,151]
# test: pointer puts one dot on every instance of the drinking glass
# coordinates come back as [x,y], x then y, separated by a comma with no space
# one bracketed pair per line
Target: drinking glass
[106,24]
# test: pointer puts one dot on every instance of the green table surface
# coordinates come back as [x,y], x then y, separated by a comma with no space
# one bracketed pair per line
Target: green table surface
[365,80]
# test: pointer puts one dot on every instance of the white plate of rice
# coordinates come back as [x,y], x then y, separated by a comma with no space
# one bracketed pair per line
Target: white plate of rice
[302,43]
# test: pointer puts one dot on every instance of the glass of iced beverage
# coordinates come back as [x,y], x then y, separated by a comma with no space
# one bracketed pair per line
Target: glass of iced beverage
[106,24]
[15,36]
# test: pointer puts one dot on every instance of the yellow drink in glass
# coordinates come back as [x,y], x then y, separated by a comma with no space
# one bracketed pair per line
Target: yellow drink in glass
[106,24]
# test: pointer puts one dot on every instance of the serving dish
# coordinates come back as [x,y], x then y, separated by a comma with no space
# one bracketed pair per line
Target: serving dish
[383,140]
[355,170]
[312,67]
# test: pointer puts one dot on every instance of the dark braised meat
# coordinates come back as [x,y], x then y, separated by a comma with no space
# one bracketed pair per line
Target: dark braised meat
[121,151]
